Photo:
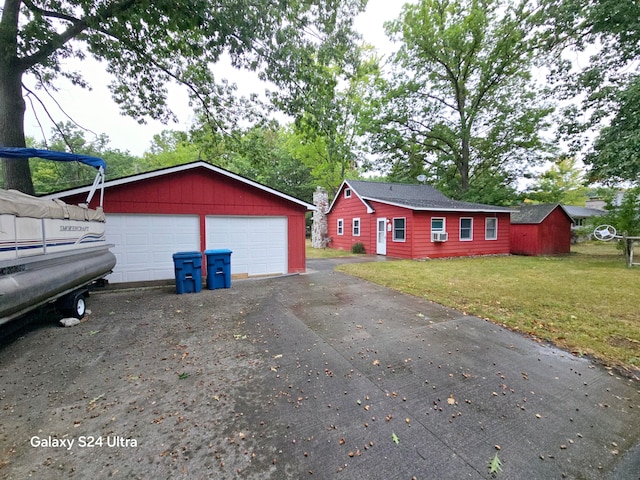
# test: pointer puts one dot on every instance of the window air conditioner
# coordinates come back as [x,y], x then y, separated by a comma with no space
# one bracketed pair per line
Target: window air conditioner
[439,236]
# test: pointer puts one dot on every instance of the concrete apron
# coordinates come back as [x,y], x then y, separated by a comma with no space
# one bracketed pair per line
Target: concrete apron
[378,384]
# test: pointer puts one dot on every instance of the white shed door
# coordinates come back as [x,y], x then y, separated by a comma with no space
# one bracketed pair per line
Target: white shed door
[259,244]
[145,244]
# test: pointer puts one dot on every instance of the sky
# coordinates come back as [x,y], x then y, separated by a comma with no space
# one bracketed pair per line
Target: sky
[95,110]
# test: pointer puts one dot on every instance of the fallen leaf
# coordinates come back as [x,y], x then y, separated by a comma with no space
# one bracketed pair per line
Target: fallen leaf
[495,465]
[395,438]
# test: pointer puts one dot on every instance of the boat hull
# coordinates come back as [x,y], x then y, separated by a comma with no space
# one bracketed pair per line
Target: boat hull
[41,279]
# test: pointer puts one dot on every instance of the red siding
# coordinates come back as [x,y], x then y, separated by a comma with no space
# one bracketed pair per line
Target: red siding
[524,239]
[454,247]
[348,209]
[551,237]
[203,192]
[417,242]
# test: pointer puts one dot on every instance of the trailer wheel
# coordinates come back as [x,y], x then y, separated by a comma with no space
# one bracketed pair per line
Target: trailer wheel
[79,307]
[73,305]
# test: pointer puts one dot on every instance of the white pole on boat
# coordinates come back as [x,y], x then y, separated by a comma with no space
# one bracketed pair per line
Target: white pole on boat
[98,181]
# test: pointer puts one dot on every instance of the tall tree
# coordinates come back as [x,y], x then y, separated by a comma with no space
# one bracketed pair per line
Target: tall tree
[264,154]
[169,148]
[461,95]
[605,35]
[147,44]
[615,156]
[562,182]
[331,120]
[55,176]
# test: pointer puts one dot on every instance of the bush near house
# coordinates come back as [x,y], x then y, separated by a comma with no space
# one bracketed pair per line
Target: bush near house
[357,248]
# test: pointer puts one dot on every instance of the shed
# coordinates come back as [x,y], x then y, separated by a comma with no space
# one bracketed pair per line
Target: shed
[414,221]
[195,207]
[541,230]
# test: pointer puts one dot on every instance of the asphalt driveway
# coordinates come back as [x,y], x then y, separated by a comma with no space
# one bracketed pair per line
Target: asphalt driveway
[308,376]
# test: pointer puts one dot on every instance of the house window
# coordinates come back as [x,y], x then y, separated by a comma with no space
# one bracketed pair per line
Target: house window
[340,226]
[347,193]
[356,227]
[491,229]
[438,225]
[466,229]
[399,229]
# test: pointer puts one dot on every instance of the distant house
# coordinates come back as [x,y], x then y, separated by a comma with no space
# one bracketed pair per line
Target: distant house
[581,215]
[599,203]
[414,221]
[541,230]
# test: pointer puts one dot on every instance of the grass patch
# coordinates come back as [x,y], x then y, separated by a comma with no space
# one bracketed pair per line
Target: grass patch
[586,302]
[313,253]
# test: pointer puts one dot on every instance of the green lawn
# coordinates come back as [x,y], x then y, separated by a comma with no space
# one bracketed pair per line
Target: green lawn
[587,302]
[325,252]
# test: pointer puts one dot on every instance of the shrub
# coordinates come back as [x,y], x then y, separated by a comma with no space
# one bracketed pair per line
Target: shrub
[357,248]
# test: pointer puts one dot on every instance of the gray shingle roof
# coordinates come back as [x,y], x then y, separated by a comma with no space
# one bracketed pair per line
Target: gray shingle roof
[535,213]
[416,197]
[583,212]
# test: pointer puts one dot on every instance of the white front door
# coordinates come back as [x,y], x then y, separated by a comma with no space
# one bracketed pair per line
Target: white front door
[381,237]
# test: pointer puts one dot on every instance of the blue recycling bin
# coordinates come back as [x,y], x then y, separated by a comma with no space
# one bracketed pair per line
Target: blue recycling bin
[188,269]
[218,268]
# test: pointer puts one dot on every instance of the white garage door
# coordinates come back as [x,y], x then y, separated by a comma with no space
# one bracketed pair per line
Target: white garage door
[145,244]
[259,244]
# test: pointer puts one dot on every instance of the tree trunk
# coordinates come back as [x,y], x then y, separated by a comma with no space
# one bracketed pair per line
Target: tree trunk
[17,174]
[463,167]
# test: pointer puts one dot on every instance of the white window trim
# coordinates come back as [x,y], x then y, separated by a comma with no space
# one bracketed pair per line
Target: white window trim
[393,229]
[340,226]
[444,224]
[486,226]
[353,227]
[347,193]
[471,230]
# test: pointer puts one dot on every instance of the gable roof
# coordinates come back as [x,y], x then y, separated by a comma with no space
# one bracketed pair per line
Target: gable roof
[536,213]
[414,197]
[181,168]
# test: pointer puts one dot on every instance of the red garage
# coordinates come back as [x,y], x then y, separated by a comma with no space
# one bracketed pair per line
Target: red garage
[195,207]
[541,230]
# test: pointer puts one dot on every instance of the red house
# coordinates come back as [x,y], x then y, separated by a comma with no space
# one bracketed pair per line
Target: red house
[195,207]
[541,230]
[414,221]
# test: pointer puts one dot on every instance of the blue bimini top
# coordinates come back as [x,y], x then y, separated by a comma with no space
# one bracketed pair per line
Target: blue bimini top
[20,153]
